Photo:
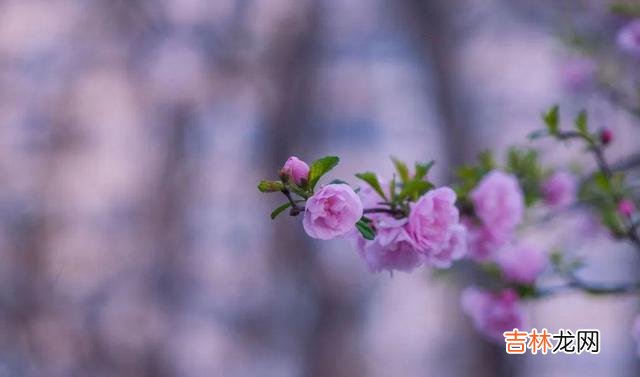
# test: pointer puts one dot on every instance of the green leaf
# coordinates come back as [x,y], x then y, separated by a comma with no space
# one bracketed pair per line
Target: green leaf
[320,167]
[602,182]
[625,9]
[551,119]
[403,170]
[392,189]
[581,123]
[270,186]
[525,166]
[297,189]
[372,180]
[423,169]
[365,229]
[279,210]
[612,220]
[414,189]
[487,161]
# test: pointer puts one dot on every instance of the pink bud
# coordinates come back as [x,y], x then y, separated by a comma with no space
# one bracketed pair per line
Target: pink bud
[296,169]
[606,136]
[626,207]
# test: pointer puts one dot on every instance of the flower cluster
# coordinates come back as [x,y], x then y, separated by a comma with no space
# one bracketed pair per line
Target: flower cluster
[431,233]
[406,222]
[492,313]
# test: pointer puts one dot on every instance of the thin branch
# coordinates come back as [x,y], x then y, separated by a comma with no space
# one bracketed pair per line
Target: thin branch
[628,163]
[589,287]
[397,213]
[619,99]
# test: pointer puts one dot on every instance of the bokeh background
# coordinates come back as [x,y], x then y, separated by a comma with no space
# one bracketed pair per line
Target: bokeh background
[133,241]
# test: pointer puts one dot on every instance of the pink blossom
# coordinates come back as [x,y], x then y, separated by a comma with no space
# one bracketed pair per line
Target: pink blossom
[578,73]
[395,248]
[481,243]
[455,249]
[392,249]
[626,207]
[499,203]
[521,263]
[434,222]
[493,313]
[296,169]
[628,38]
[332,212]
[559,190]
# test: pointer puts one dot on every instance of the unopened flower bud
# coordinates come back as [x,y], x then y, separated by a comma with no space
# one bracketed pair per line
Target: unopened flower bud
[606,136]
[297,170]
[626,207]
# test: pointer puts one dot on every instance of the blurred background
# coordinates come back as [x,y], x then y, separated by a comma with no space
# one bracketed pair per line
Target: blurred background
[133,241]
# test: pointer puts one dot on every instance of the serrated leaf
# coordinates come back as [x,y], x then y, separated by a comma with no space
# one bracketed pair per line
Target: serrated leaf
[270,186]
[402,169]
[372,180]
[367,232]
[279,210]
[551,119]
[581,123]
[423,169]
[320,167]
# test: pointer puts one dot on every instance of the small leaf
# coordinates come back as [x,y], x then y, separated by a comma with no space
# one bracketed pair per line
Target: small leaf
[551,119]
[320,167]
[414,189]
[581,123]
[279,210]
[297,189]
[367,232]
[625,9]
[372,180]
[487,161]
[392,189]
[612,220]
[270,186]
[423,169]
[602,182]
[401,167]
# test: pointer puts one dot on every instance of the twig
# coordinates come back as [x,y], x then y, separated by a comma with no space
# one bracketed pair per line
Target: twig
[295,208]
[589,287]
[397,213]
